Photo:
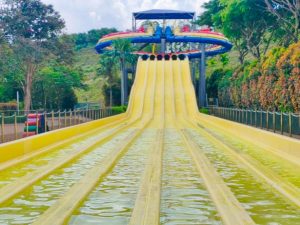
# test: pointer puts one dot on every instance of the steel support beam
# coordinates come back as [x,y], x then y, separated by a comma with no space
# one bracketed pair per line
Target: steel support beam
[202,79]
[163,46]
[123,83]
[126,87]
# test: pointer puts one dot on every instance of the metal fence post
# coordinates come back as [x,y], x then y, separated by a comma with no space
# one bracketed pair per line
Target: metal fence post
[228,113]
[274,122]
[15,126]
[27,127]
[65,118]
[267,122]
[235,115]
[247,116]
[290,124]
[242,115]
[52,120]
[59,119]
[261,114]
[37,122]
[70,117]
[79,115]
[45,118]
[75,117]
[281,122]
[255,118]
[2,127]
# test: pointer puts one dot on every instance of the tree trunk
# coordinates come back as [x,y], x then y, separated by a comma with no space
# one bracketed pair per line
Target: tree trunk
[122,81]
[28,86]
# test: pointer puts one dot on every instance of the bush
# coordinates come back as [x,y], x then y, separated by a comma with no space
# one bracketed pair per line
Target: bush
[204,110]
[118,109]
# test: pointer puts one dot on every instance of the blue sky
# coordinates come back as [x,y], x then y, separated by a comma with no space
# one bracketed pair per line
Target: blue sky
[83,15]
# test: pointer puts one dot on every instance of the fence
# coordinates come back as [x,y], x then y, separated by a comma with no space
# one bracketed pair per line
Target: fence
[12,123]
[278,122]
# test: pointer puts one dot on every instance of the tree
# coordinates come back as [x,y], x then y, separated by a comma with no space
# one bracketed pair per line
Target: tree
[31,26]
[249,22]
[95,34]
[212,16]
[10,73]
[83,40]
[123,49]
[108,62]
[288,15]
[54,86]
[246,23]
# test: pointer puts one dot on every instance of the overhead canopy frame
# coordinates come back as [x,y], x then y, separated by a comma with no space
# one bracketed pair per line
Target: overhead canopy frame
[161,14]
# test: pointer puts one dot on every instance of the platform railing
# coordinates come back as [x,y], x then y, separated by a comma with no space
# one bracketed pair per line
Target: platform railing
[277,122]
[13,122]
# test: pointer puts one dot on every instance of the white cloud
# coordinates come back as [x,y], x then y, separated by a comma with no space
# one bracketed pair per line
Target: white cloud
[83,15]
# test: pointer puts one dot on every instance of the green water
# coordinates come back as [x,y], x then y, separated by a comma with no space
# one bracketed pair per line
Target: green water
[113,199]
[280,166]
[11,174]
[184,199]
[27,206]
[262,203]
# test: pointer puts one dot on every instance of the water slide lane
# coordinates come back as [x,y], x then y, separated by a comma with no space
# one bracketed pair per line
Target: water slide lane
[161,162]
[257,174]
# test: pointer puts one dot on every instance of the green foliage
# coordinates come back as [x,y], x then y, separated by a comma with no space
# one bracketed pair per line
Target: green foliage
[271,79]
[211,16]
[54,87]
[204,110]
[30,19]
[119,109]
[115,90]
[287,13]
[108,65]
[273,84]
[83,40]
[32,29]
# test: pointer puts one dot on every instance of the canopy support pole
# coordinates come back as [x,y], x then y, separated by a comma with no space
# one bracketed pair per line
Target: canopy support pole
[126,87]
[163,46]
[202,79]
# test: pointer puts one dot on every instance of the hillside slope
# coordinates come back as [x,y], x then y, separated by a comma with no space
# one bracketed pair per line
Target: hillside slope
[87,59]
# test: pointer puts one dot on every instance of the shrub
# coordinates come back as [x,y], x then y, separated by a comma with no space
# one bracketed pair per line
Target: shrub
[204,110]
[118,109]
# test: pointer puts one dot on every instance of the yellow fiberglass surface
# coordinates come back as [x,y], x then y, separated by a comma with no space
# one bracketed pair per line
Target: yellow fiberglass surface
[161,162]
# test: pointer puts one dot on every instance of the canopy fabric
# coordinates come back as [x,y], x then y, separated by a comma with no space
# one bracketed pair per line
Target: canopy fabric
[155,14]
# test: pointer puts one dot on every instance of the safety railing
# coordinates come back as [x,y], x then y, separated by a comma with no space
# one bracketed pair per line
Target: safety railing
[277,122]
[13,123]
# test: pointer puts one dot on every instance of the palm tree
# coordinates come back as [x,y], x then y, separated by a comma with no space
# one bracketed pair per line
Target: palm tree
[123,50]
[108,62]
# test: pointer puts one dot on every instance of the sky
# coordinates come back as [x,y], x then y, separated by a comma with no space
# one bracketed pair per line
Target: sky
[84,15]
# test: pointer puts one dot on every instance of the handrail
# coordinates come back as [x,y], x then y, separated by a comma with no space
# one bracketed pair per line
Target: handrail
[278,122]
[13,127]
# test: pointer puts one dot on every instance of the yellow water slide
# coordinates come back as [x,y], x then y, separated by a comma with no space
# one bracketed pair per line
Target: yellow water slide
[161,162]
